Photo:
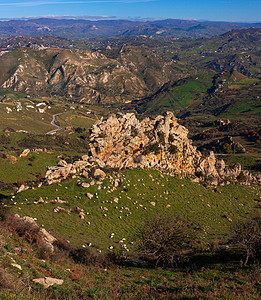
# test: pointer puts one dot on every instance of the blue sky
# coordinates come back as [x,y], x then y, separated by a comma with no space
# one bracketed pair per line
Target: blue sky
[217,10]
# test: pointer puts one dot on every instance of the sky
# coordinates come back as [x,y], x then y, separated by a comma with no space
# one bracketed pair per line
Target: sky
[214,10]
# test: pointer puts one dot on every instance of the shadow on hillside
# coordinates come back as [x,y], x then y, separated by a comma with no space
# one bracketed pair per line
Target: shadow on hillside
[2,197]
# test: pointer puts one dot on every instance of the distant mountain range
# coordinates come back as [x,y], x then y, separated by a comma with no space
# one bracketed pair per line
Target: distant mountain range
[118,28]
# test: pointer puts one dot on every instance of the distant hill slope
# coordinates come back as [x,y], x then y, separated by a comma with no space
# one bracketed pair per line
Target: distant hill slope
[133,73]
[160,74]
[108,28]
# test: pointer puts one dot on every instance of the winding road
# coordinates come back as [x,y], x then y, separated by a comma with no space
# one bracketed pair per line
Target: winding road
[56,125]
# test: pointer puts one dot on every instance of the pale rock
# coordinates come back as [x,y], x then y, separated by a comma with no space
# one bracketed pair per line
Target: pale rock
[85,185]
[59,209]
[41,200]
[22,188]
[89,195]
[16,266]
[25,153]
[99,174]
[48,281]
[62,163]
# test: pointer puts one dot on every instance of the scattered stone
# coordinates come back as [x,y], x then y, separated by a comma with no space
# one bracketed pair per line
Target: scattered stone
[48,281]
[226,217]
[57,200]
[85,185]
[195,180]
[99,174]
[41,200]
[89,195]
[85,174]
[16,266]
[59,209]
[25,153]
[22,188]
[62,163]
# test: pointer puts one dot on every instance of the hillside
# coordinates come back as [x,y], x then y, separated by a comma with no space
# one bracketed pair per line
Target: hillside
[121,70]
[76,231]
[92,77]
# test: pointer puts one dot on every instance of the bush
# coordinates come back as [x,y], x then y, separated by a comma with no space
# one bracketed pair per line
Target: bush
[247,237]
[165,241]
[23,229]
[152,148]
[88,257]
[241,177]
[173,149]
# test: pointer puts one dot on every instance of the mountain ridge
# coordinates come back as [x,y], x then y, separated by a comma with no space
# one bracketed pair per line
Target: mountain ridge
[107,28]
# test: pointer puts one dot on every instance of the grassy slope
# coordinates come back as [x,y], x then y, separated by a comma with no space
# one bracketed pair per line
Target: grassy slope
[27,119]
[201,205]
[25,167]
[215,280]
[180,97]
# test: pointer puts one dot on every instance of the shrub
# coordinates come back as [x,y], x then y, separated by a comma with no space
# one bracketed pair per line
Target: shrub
[241,177]
[173,149]
[78,130]
[165,241]
[88,256]
[23,229]
[161,137]
[152,148]
[247,237]
[20,182]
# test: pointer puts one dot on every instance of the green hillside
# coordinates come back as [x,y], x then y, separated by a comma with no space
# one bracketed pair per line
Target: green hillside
[139,192]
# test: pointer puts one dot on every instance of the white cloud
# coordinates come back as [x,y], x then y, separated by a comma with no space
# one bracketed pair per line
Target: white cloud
[38,3]
[81,17]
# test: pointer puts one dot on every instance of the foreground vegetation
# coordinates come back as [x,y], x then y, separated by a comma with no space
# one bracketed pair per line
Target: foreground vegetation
[209,273]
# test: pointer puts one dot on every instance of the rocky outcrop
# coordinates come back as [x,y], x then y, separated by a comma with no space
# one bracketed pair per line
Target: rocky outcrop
[126,142]
[63,170]
[161,143]
[46,240]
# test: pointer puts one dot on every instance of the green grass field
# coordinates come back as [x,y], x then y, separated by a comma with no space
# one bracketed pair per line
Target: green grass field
[180,97]
[244,83]
[27,119]
[243,108]
[74,119]
[26,168]
[203,206]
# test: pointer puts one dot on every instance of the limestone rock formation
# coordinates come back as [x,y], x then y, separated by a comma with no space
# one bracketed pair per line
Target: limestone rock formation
[161,143]
[126,142]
